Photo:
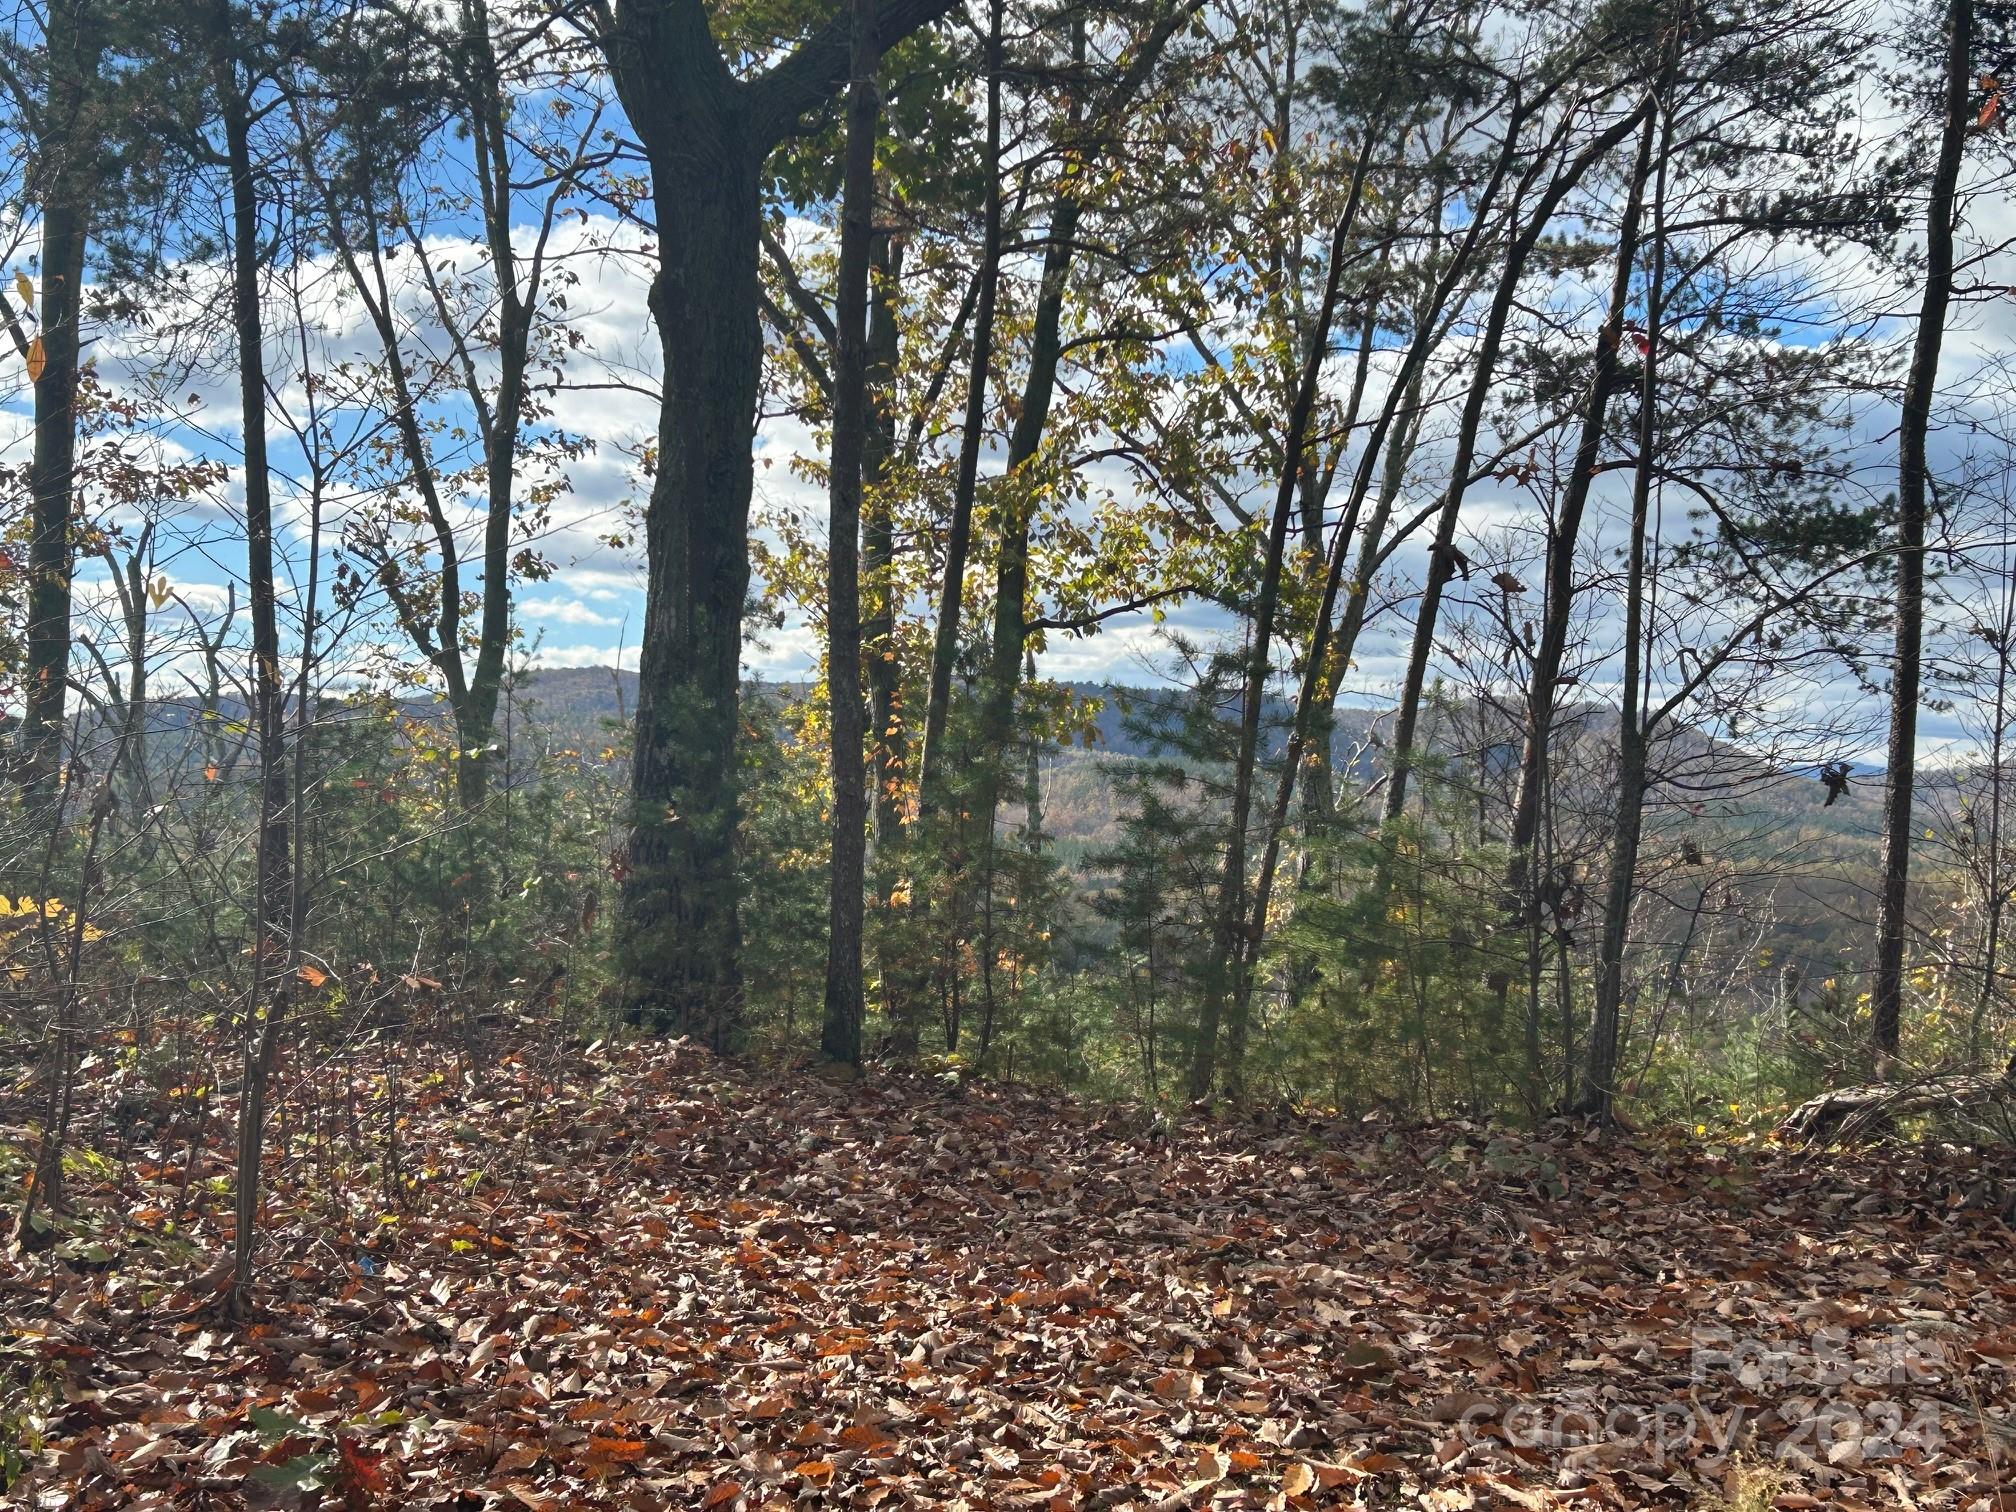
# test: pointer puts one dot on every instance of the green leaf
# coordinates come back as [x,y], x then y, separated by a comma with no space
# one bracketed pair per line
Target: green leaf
[304,1472]
[275,1426]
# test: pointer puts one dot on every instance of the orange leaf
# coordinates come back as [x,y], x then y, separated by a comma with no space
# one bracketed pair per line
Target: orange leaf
[819,1472]
[36,360]
[722,1494]
[314,976]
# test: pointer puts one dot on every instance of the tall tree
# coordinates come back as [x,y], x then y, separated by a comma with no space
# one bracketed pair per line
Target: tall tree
[1443,559]
[931,775]
[235,62]
[888,739]
[707,130]
[1091,139]
[1907,654]
[66,123]
[840,1034]
[490,347]
[1563,539]
[1599,1076]
[1231,914]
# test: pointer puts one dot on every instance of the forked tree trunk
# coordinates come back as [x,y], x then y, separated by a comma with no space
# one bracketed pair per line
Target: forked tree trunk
[1597,1097]
[959,530]
[706,134]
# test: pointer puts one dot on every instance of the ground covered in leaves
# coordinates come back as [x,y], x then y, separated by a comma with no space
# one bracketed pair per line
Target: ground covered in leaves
[636,1277]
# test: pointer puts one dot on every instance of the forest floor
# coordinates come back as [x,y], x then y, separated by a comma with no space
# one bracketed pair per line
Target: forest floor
[634,1276]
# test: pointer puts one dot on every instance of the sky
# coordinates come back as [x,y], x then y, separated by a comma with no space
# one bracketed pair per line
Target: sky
[589,611]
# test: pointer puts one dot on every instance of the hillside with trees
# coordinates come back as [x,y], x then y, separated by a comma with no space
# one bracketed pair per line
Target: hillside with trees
[1068,753]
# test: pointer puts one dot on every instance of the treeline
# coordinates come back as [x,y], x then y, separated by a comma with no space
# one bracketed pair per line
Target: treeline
[1524,437]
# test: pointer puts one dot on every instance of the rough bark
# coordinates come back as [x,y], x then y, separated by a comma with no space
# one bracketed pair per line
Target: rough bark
[68,189]
[706,134]
[840,1032]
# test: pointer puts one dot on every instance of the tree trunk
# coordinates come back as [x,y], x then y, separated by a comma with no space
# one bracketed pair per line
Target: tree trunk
[1599,1077]
[887,742]
[273,907]
[1441,554]
[74,47]
[1039,389]
[680,924]
[706,135]
[1316,697]
[1545,669]
[1919,388]
[517,307]
[840,1032]
[959,531]
[1229,923]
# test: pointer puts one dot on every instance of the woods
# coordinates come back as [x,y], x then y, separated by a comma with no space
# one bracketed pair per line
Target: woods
[1367,587]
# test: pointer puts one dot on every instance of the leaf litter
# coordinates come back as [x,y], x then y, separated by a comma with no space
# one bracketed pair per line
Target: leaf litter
[639,1277]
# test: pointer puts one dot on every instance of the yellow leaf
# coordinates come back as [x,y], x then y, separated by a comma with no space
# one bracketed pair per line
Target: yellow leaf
[25,289]
[36,361]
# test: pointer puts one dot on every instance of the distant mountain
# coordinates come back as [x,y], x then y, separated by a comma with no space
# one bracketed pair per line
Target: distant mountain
[1807,864]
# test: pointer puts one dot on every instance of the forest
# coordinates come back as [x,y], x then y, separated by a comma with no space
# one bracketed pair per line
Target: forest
[1027,753]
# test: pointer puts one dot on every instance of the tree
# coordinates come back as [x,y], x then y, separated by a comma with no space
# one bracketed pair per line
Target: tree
[972,435]
[68,124]
[235,56]
[1563,538]
[497,313]
[1921,383]
[706,134]
[840,1036]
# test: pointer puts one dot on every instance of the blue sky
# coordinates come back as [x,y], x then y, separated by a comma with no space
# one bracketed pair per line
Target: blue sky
[589,611]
